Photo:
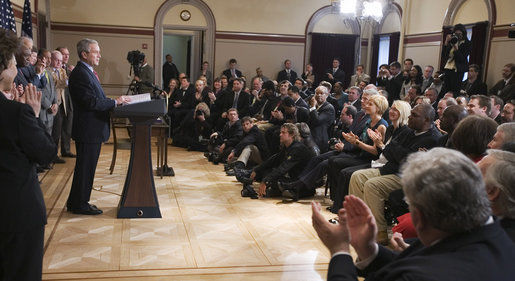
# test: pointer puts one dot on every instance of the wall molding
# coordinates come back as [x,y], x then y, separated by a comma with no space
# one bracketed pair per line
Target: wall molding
[423,38]
[260,37]
[57,26]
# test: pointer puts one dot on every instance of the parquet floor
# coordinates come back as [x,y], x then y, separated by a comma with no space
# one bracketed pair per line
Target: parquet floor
[207,232]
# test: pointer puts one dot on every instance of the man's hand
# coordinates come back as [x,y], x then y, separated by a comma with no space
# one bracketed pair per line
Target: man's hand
[361,224]
[211,96]
[230,156]
[224,115]
[123,100]
[215,134]
[253,175]
[397,243]
[222,147]
[312,102]
[339,146]
[177,104]
[262,189]
[330,76]
[136,78]
[335,237]
[54,108]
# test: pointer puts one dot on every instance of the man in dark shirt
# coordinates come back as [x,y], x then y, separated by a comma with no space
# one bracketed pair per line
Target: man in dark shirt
[169,71]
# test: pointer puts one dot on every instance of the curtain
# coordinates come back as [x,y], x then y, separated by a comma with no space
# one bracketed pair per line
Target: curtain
[325,47]
[445,31]
[375,58]
[394,46]
[479,32]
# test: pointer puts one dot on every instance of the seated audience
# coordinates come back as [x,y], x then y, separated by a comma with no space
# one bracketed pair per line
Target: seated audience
[375,184]
[505,88]
[473,85]
[479,105]
[282,166]
[507,112]
[222,142]
[195,130]
[414,79]
[497,168]
[449,230]
[505,134]
[497,105]
[251,150]
[321,117]
[472,136]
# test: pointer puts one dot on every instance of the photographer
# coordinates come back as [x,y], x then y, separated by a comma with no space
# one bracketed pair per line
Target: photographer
[455,52]
[221,143]
[195,129]
[145,77]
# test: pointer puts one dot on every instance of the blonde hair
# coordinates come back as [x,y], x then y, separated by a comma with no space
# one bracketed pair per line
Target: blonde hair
[381,103]
[204,108]
[404,109]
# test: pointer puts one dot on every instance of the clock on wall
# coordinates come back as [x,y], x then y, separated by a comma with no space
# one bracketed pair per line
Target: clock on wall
[185,15]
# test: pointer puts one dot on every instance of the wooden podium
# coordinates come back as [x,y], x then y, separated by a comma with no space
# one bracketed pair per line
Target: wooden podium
[139,198]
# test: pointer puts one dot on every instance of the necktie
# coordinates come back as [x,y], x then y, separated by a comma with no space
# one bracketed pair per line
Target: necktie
[235,102]
[288,74]
[233,73]
[96,74]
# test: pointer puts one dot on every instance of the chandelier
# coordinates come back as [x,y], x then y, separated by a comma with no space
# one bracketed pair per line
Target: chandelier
[363,10]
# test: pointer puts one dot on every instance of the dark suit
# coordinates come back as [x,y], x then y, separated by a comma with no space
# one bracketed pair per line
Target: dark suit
[169,71]
[283,75]
[288,161]
[243,104]
[452,79]
[27,74]
[505,91]
[338,76]
[476,88]
[394,87]
[90,129]
[319,122]
[23,143]
[485,253]
[228,73]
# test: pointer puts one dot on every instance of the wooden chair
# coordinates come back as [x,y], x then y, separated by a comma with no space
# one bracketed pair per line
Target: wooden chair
[119,142]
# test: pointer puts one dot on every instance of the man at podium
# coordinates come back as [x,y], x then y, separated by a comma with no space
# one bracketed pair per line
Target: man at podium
[90,124]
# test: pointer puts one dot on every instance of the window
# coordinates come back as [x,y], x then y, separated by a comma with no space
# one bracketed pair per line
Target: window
[384,51]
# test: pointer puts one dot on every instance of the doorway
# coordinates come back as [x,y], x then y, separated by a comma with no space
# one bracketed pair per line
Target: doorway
[179,47]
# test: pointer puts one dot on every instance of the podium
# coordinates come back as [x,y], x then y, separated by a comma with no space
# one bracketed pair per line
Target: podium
[139,198]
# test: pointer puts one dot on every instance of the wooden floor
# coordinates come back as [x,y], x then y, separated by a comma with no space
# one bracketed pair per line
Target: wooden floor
[208,231]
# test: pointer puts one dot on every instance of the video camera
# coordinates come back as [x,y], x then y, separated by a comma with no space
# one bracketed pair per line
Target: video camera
[135,58]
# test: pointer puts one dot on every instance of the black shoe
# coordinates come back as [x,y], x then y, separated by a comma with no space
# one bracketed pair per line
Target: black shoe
[206,154]
[68,155]
[92,211]
[241,174]
[290,193]
[46,167]
[39,169]
[246,181]
[59,160]
[294,185]
[248,191]
[228,166]
[230,172]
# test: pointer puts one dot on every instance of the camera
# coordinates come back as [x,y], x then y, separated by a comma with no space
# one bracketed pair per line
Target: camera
[454,39]
[199,112]
[332,143]
[135,58]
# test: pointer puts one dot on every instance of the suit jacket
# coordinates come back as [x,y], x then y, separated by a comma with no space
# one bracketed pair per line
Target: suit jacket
[253,137]
[289,160]
[231,134]
[302,103]
[485,253]
[338,76]
[283,75]
[394,87]
[27,74]
[91,106]
[60,78]
[169,71]
[426,83]
[23,144]
[228,74]
[243,103]
[320,120]
[477,88]
[48,98]
[505,92]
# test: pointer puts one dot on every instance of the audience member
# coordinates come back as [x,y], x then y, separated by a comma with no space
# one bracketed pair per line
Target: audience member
[145,78]
[472,136]
[195,130]
[505,88]
[507,112]
[448,230]
[231,72]
[60,79]
[451,117]
[321,117]
[204,71]
[169,71]
[427,78]
[497,105]
[222,142]
[395,82]
[67,124]
[287,73]
[473,85]
[335,74]
[359,76]
[415,78]
[505,134]
[309,76]
[479,105]
[24,143]
[251,150]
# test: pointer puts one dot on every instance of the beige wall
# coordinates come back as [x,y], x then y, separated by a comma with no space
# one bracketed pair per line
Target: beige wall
[286,17]
[332,23]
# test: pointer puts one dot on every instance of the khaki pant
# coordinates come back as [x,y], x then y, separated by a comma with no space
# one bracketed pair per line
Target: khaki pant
[249,154]
[369,185]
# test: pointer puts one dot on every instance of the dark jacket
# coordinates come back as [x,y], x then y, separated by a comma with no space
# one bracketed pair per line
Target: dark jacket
[91,106]
[255,137]
[403,145]
[283,75]
[320,120]
[23,143]
[477,88]
[231,135]
[289,160]
[505,91]
[460,56]
[485,253]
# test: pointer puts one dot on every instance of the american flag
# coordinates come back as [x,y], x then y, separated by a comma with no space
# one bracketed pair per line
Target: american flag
[7,15]
[26,24]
